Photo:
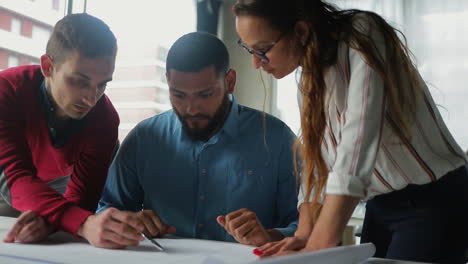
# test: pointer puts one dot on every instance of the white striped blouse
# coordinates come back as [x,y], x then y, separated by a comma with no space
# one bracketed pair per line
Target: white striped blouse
[364,155]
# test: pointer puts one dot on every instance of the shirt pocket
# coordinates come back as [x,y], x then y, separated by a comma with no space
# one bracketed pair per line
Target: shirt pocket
[250,184]
[246,173]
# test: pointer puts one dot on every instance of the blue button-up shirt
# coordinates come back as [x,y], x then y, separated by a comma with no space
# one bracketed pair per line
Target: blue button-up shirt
[189,183]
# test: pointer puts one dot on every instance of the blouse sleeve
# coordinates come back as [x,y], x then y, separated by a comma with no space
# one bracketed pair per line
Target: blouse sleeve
[361,130]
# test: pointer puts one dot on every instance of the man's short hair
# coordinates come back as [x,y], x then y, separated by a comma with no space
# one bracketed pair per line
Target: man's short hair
[83,33]
[197,50]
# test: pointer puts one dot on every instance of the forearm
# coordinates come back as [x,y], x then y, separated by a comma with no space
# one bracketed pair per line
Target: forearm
[334,216]
[274,235]
[306,221]
[29,193]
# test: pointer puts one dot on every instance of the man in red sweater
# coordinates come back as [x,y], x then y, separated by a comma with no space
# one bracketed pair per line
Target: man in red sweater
[58,128]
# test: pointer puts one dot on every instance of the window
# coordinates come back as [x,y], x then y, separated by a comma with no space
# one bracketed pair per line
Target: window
[13,61]
[27,26]
[162,53]
[139,89]
[16,25]
[161,72]
[56,4]
[40,34]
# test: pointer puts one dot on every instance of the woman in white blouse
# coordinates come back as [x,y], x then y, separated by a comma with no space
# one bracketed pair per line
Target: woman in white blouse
[370,131]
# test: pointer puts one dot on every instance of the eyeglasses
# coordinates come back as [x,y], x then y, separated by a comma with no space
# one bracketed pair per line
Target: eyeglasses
[261,54]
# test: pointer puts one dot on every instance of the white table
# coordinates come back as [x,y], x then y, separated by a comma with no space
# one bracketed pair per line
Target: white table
[65,248]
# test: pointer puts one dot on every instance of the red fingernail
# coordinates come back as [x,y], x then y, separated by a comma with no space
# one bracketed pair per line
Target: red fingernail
[257,252]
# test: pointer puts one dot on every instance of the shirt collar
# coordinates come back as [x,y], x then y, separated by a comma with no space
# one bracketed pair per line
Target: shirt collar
[47,104]
[58,139]
[231,125]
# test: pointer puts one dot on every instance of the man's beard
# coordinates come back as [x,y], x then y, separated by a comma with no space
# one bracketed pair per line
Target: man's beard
[214,123]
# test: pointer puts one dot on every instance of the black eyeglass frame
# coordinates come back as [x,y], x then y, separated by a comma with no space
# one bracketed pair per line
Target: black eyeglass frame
[260,54]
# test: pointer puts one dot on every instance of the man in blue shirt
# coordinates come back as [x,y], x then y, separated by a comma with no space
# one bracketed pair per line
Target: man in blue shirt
[209,168]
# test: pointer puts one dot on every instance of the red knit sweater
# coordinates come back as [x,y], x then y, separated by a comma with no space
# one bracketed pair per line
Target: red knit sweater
[28,159]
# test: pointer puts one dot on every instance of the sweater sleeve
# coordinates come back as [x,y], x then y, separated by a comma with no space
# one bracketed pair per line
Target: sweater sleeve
[19,185]
[90,171]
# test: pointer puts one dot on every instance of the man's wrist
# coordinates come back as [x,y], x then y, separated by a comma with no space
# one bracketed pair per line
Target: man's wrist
[274,235]
[80,231]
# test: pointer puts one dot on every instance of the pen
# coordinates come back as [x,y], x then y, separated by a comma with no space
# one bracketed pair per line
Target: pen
[153,241]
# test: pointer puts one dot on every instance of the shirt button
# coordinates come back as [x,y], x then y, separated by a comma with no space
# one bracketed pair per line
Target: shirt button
[202,197]
[203,171]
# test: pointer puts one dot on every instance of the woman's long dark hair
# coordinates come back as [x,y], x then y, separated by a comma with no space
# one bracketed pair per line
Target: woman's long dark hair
[329,26]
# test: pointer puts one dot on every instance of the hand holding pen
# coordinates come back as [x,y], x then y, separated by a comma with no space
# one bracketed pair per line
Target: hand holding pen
[154,226]
[112,228]
[153,241]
